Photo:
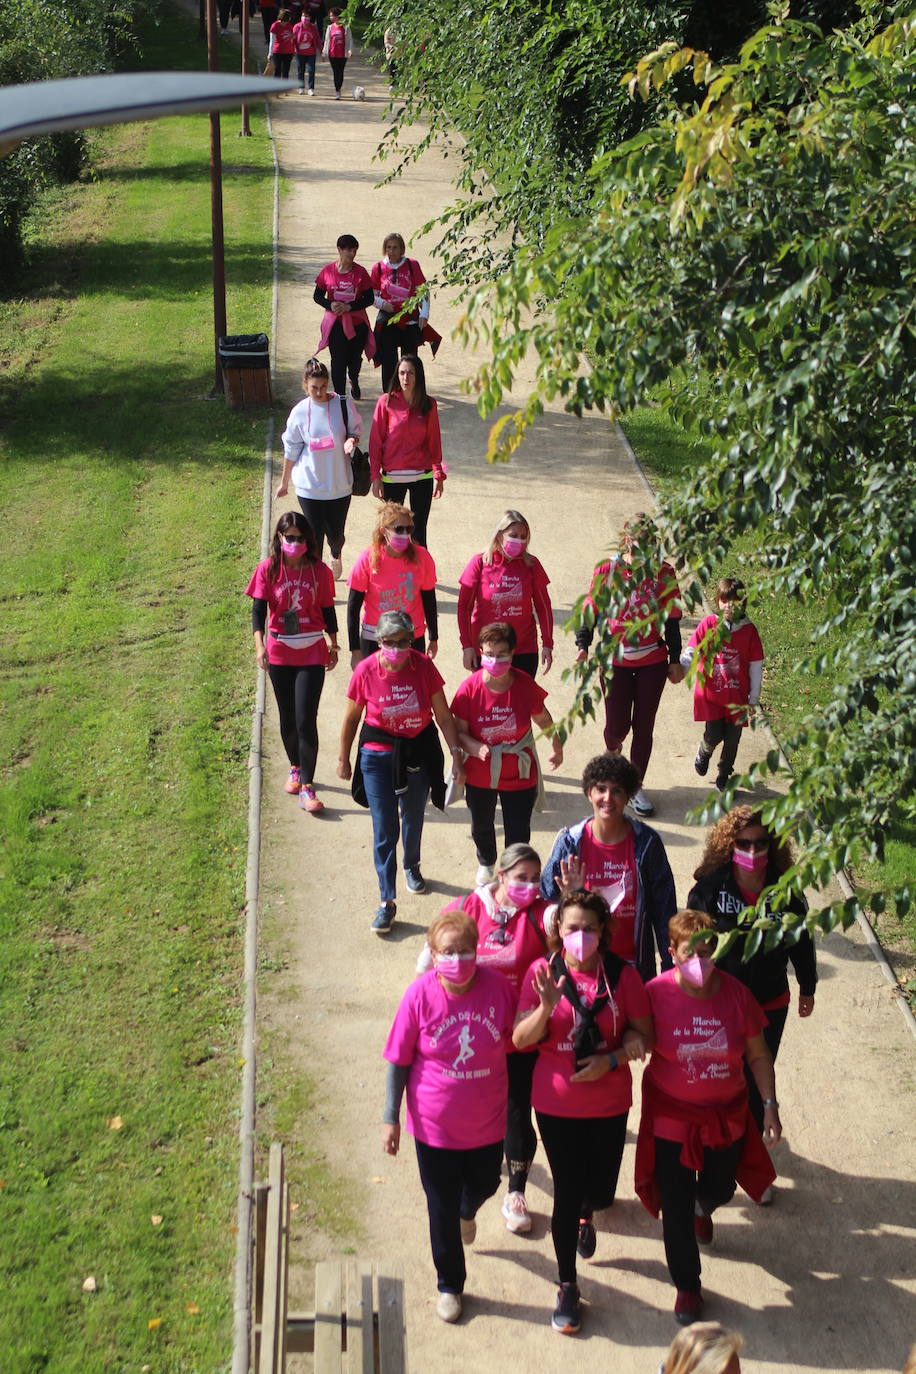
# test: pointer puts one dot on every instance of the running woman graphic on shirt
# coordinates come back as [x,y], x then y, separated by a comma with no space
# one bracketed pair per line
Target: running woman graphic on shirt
[399,597]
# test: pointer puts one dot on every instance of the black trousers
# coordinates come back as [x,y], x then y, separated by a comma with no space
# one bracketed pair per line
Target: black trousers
[346,354]
[517,807]
[584,1155]
[728,734]
[521,1140]
[268,16]
[337,67]
[282,62]
[772,1034]
[327,519]
[680,1190]
[421,499]
[456,1184]
[298,692]
[393,342]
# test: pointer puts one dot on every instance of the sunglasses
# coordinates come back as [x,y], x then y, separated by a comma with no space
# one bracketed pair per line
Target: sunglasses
[402,529]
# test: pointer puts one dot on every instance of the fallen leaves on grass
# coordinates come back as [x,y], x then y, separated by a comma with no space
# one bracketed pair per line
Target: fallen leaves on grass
[89,1284]
[156,1219]
[115,1123]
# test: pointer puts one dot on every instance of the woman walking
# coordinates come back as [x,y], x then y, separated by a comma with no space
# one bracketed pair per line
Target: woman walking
[396,278]
[338,47]
[344,292]
[321,433]
[393,574]
[587,1014]
[507,582]
[405,445]
[292,611]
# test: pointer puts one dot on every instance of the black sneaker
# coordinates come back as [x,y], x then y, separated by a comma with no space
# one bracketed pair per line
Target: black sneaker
[566,1315]
[415,880]
[722,781]
[701,762]
[355,391]
[587,1241]
[383,919]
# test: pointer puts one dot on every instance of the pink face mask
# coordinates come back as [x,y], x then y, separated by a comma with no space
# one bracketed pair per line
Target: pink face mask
[581,944]
[394,656]
[750,862]
[513,547]
[496,667]
[697,970]
[292,550]
[521,894]
[398,542]
[456,968]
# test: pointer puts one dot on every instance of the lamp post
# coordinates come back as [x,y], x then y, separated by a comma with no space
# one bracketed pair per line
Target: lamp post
[216,213]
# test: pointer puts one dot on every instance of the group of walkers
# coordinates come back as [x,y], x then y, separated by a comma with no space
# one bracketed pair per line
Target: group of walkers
[540,986]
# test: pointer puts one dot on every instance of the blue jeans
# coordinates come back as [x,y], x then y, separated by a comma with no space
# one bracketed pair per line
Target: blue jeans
[306,62]
[393,815]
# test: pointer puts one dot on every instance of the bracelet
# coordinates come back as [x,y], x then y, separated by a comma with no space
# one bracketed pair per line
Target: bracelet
[612,1060]
[456,749]
[770,1102]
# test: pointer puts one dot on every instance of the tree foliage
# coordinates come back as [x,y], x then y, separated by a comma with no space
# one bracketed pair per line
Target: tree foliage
[756,237]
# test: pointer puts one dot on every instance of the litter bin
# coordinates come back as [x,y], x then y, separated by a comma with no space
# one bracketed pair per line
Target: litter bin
[245,360]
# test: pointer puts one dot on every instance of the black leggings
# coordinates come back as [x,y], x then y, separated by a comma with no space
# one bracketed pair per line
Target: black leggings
[584,1155]
[327,518]
[521,1140]
[772,1034]
[421,499]
[337,67]
[298,692]
[282,62]
[727,733]
[680,1188]
[517,806]
[346,355]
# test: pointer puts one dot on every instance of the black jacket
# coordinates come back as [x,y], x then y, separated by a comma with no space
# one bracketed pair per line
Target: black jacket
[418,751]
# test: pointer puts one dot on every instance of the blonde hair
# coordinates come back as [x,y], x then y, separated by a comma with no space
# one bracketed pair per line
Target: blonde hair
[510,517]
[458,921]
[703,1348]
[389,515]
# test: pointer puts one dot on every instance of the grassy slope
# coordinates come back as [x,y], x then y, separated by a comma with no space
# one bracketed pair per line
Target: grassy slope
[131,515]
[790,692]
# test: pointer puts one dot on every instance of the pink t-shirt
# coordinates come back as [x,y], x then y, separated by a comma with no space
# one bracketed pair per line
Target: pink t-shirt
[647,647]
[305,590]
[499,718]
[397,702]
[456,1047]
[510,940]
[551,1090]
[396,283]
[611,870]
[509,589]
[308,39]
[727,679]
[343,286]
[700,1041]
[395,585]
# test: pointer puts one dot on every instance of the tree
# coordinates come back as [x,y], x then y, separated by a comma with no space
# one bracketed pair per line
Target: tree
[758,240]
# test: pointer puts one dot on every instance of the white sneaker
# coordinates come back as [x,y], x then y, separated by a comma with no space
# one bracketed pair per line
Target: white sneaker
[337,569]
[640,803]
[485,874]
[468,1231]
[515,1210]
[448,1306]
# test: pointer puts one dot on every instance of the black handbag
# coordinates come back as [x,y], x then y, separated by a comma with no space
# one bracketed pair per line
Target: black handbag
[359,461]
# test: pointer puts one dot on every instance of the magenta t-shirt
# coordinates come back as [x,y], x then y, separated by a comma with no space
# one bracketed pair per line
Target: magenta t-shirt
[399,702]
[552,1092]
[395,585]
[455,1045]
[344,286]
[499,718]
[510,940]
[700,1041]
[307,591]
[508,589]
[611,870]
[726,681]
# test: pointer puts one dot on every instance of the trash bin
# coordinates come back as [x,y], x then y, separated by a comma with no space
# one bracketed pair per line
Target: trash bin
[245,360]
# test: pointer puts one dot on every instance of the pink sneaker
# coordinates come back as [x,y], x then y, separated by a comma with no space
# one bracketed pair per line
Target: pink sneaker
[308,801]
[292,782]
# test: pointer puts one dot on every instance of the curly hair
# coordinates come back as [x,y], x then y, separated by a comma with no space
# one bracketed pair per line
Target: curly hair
[390,514]
[610,768]
[720,842]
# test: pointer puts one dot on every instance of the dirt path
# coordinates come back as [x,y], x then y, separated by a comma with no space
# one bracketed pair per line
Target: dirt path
[823,1279]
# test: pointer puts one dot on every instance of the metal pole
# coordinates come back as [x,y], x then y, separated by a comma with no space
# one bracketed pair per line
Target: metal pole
[201,21]
[216,213]
[246,10]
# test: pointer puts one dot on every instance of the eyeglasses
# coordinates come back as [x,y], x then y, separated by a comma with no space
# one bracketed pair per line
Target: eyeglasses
[294,537]
[395,643]
[753,846]
[401,529]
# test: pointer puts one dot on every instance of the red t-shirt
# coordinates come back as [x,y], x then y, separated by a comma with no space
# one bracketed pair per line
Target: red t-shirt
[611,870]
[398,702]
[395,585]
[403,439]
[306,590]
[510,940]
[499,718]
[726,681]
[660,593]
[512,589]
[551,1090]
[700,1041]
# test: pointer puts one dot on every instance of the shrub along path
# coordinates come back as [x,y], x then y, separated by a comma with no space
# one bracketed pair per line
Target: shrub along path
[818,1280]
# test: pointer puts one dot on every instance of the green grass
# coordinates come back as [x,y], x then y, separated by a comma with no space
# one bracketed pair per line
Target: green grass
[790,693]
[131,522]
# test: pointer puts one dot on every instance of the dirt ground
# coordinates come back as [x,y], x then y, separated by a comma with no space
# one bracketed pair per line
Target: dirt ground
[823,1279]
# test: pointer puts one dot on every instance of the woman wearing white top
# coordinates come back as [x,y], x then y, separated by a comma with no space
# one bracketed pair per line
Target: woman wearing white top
[321,433]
